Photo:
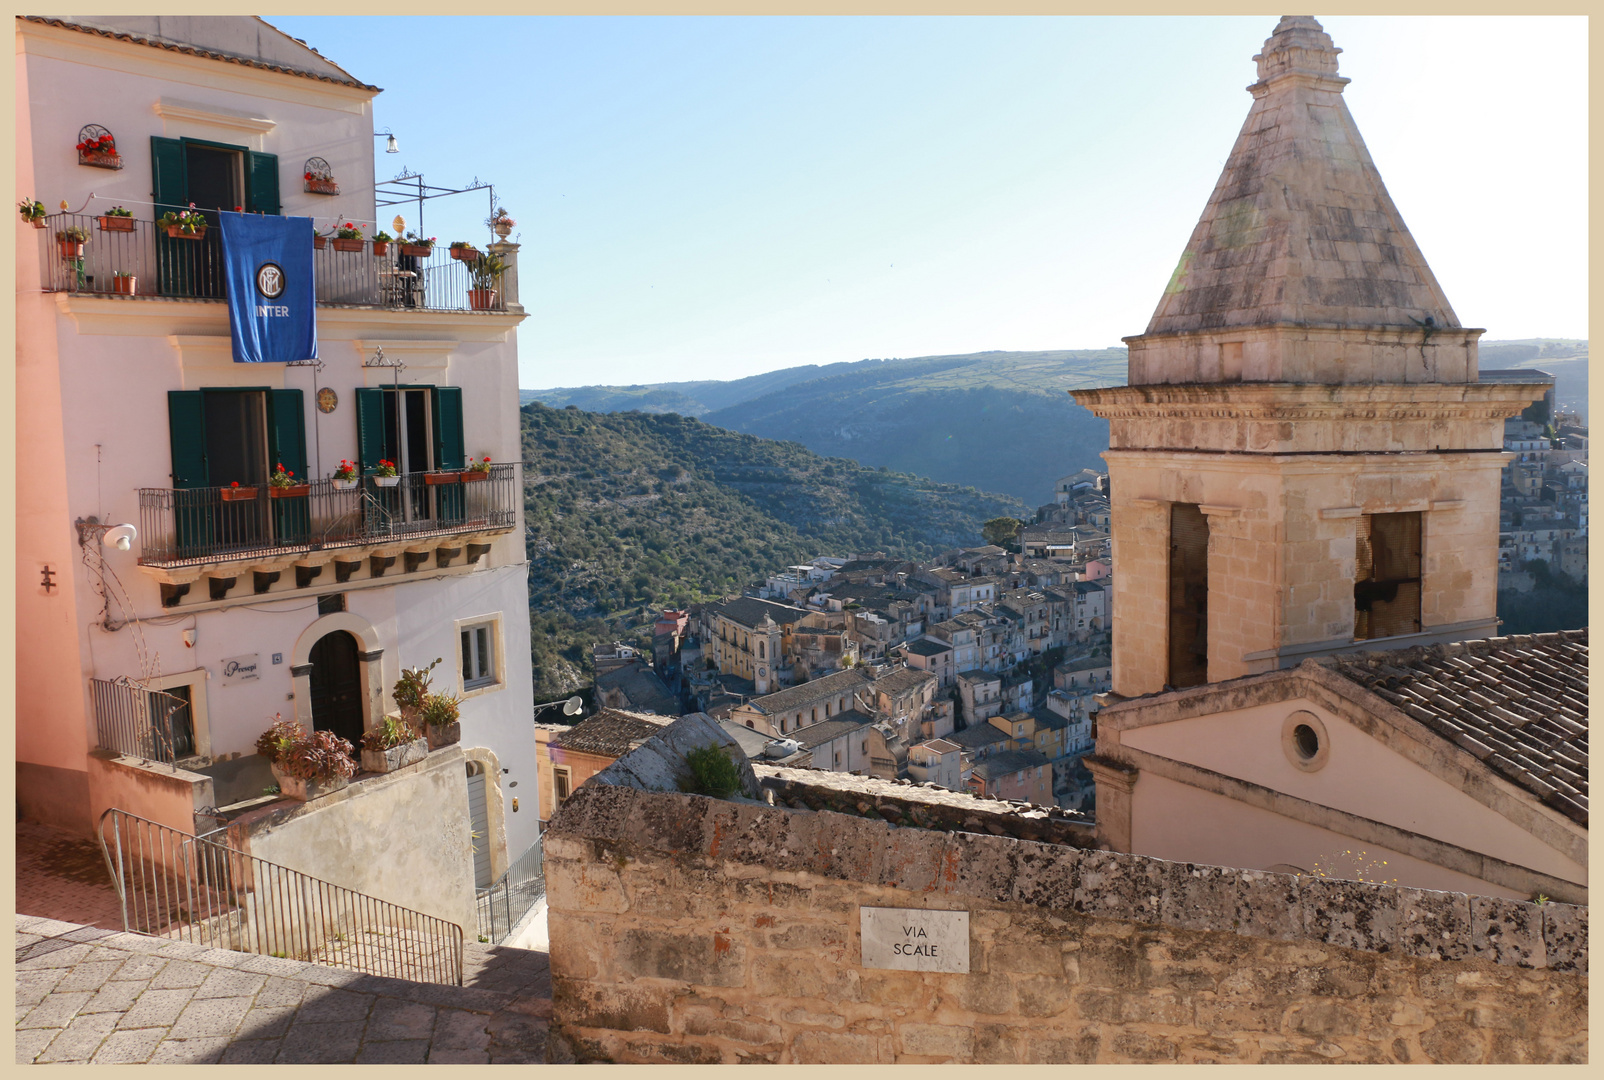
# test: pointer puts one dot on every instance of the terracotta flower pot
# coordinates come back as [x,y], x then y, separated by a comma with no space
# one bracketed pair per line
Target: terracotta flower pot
[116,224]
[320,242]
[239,494]
[38,222]
[383,761]
[435,479]
[347,244]
[473,476]
[443,734]
[323,187]
[381,247]
[70,249]
[465,254]
[177,233]
[482,299]
[416,251]
[294,491]
[102,160]
[124,286]
[293,787]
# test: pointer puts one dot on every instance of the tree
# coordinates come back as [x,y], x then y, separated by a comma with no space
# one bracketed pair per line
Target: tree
[1002,531]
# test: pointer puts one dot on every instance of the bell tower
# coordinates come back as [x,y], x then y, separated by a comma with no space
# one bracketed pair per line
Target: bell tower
[1303,461]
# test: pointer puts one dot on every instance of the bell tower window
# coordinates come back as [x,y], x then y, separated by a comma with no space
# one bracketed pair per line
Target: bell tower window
[1189,596]
[1386,585]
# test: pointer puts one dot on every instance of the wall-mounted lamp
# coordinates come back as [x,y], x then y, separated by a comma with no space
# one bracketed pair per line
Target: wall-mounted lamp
[390,146]
[121,537]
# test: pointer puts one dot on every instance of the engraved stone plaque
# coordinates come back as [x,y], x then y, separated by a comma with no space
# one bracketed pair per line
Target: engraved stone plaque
[238,669]
[912,939]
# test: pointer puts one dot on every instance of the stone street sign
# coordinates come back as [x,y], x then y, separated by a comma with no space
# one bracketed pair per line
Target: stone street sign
[912,939]
[238,669]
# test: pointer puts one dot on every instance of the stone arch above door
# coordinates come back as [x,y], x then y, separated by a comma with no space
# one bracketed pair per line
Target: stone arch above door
[370,655]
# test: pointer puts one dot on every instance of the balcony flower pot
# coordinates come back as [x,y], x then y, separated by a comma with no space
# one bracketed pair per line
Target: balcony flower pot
[347,244]
[177,233]
[124,286]
[38,223]
[116,224]
[383,761]
[293,787]
[481,299]
[416,251]
[109,159]
[435,479]
[71,249]
[443,734]
[238,494]
[322,185]
[473,476]
[320,242]
[465,254]
[294,491]
[343,485]
[387,481]
[381,247]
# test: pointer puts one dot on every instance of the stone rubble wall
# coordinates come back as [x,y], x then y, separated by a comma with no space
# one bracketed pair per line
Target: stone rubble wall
[686,929]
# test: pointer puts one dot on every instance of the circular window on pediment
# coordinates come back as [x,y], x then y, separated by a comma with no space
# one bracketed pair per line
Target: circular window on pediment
[1305,742]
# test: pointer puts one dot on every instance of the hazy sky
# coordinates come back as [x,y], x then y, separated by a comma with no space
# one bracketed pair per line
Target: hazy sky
[717,197]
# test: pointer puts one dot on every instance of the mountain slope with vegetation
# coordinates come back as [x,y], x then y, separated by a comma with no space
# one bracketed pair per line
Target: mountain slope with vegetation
[628,513]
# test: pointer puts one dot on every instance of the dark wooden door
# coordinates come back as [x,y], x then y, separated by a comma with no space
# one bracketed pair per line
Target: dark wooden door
[337,686]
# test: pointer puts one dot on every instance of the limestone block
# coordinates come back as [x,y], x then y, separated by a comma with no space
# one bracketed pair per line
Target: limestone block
[703,959]
[937,1040]
[983,867]
[919,860]
[1267,905]
[1434,924]
[1114,885]
[1045,876]
[617,1008]
[1565,937]
[1506,931]
[1353,914]
[1196,897]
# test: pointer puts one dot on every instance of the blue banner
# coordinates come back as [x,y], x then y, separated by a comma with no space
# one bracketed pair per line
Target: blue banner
[272,304]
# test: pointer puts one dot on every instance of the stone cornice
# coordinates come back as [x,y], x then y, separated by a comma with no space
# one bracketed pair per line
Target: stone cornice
[1281,401]
[1314,331]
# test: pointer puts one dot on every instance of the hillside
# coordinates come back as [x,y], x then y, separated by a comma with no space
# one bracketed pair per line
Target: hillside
[628,513]
[998,421]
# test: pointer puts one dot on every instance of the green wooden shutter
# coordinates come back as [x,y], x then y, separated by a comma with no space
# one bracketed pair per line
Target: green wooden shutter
[262,197]
[286,420]
[186,428]
[370,420]
[447,402]
[170,191]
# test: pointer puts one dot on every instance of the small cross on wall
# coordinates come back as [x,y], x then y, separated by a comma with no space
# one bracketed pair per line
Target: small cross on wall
[47,578]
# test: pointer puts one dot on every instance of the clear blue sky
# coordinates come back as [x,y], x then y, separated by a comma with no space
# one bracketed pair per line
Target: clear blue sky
[717,197]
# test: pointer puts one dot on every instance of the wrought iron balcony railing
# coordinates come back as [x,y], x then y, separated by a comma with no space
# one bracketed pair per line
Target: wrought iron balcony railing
[126,257]
[181,526]
[136,721]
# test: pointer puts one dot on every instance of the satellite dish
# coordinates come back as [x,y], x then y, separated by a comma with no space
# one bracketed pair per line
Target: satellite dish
[121,537]
[572,706]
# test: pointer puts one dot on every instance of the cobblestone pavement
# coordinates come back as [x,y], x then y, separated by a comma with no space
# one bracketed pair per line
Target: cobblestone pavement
[91,995]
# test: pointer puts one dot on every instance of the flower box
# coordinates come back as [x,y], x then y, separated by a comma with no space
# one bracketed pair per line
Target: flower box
[465,254]
[293,787]
[474,476]
[71,249]
[416,251]
[482,299]
[383,761]
[239,494]
[387,481]
[443,734]
[381,247]
[101,159]
[322,186]
[124,286]
[435,479]
[294,491]
[116,224]
[320,242]
[347,244]
[177,233]
[342,484]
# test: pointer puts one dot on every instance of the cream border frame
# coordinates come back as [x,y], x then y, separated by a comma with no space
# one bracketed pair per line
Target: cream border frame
[498,651]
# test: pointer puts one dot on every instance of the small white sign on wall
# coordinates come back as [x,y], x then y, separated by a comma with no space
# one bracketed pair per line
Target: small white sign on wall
[238,669]
[912,939]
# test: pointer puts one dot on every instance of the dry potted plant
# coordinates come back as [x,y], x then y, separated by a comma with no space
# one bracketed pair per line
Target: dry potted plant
[392,744]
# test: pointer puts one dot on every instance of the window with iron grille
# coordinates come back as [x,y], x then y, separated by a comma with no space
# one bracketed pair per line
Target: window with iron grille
[1386,579]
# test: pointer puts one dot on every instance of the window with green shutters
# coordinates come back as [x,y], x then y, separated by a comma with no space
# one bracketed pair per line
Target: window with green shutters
[379,420]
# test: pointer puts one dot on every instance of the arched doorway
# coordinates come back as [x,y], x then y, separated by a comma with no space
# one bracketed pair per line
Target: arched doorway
[336,686]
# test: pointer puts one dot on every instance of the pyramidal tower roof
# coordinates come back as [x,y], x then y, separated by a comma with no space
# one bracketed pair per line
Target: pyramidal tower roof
[1300,230]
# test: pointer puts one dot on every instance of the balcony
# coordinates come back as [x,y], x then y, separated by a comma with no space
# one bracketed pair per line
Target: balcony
[423,517]
[139,261]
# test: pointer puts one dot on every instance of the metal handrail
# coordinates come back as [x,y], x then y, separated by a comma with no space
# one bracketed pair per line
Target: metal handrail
[503,903]
[174,885]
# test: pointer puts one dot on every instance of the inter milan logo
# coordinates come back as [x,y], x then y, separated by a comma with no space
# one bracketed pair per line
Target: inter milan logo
[270,280]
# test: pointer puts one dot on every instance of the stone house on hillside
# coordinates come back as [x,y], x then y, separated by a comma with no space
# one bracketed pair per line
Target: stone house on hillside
[634,687]
[751,638]
[572,754]
[795,708]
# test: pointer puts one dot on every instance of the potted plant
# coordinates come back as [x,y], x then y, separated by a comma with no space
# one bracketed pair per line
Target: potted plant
[117,220]
[392,744]
[235,493]
[306,766]
[501,222]
[187,224]
[71,241]
[440,716]
[346,476]
[435,479]
[381,242]
[33,212]
[321,240]
[416,247]
[99,150]
[124,283]
[282,485]
[320,178]
[348,238]
[384,473]
[477,470]
[411,690]
[464,251]
[486,272]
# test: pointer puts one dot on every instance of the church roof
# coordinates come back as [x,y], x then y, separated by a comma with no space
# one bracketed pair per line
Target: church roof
[1300,229]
